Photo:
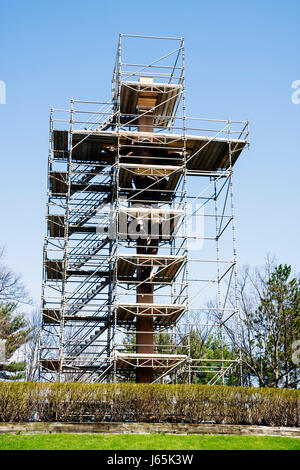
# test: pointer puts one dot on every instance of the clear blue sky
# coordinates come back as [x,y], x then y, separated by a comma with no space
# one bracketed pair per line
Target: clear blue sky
[241,59]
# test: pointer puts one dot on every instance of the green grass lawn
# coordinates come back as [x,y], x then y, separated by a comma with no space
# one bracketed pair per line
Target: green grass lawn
[144,442]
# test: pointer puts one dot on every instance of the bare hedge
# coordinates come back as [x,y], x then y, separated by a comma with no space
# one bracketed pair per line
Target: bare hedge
[77,402]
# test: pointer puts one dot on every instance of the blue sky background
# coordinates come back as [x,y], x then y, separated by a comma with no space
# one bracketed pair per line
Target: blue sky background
[241,59]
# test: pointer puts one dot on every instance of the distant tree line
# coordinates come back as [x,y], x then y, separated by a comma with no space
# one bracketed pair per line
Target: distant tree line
[269,304]
[269,300]
[267,335]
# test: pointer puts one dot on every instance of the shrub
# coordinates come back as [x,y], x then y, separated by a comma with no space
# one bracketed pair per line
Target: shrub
[78,402]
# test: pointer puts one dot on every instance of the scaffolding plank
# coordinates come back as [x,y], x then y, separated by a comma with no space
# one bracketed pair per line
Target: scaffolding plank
[170,174]
[87,273]
[54,269]
[60,144]
[51,365]
[58,186]
[86,146]
[162,96]
[155,361]
[91,188]
[165,268]
[82,229]
[85,318]
[56,226]
[51,315]
[163,315]
[205,153]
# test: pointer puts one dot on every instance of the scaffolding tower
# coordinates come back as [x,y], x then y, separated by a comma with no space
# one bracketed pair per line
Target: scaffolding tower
[140,256]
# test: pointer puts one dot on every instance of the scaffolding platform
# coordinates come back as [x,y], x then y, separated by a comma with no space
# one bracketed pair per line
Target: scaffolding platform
[83,229]
[50,364]
[53,365]
[51,315]
[163,315]
[162,362]
[211,153]
[54,316]
[165,268]
[170,174]
[160,96]
[60,142]
[54,271]
[58,183]
[56,226]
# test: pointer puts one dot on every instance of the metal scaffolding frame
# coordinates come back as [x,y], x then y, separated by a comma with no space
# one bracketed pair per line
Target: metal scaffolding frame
[140,249]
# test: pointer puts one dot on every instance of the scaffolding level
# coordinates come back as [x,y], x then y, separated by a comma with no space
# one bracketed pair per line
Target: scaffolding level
[140,251]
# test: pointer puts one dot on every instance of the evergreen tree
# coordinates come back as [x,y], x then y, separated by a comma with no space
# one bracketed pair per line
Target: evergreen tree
[276,325]
[270,307]
[13,330]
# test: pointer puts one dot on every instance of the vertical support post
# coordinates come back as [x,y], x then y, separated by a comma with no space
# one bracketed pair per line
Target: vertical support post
[66,243]
[219,306]
[184,195]
[236,307]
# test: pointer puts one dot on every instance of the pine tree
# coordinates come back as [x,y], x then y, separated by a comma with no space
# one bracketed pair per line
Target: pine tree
[270,306]
[13,329]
